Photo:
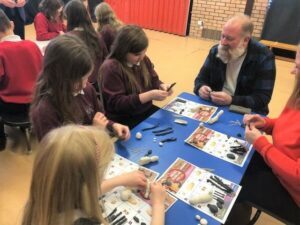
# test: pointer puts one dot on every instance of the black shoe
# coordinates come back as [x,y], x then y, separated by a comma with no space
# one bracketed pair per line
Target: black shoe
[2,143]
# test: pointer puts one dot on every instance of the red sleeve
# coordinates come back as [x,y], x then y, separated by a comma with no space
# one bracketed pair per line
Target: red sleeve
[42,28]
[282,165]
[2,72]
[268,128]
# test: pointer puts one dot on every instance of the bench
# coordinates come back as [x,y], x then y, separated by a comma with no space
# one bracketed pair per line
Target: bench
[279,45]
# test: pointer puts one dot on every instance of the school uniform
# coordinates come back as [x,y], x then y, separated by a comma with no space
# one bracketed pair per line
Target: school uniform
[121,104]
[20,64]
[46,29]
[93,78]
[108,34]
[45,117]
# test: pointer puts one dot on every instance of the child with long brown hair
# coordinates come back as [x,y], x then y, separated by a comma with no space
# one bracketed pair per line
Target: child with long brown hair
[63,94]
[129,82]
[79,23]
[68,179]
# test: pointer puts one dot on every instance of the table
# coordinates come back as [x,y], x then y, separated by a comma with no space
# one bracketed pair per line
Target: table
[181,213]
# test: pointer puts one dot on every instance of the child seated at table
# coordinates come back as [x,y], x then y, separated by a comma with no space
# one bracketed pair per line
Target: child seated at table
[63,94]
[79,23]
[20,64]
[68,179]
[108,23]
[48,23]
[129,82]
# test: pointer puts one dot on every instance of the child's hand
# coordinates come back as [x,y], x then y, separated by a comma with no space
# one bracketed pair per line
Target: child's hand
[134,179]
[252,133]
[255,120]
[100,120]
[122,131]
[158,194]
[159,95]
[165,87]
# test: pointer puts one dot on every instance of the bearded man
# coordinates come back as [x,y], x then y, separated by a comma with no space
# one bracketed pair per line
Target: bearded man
[239,70]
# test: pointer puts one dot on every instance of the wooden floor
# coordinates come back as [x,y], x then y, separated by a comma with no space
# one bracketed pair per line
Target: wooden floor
[176,59]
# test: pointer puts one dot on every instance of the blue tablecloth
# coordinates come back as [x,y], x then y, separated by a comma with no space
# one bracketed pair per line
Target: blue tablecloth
[181,213]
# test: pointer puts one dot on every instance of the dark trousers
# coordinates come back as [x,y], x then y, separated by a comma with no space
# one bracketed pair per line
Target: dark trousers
[10,108]
[19,23]
[262,189]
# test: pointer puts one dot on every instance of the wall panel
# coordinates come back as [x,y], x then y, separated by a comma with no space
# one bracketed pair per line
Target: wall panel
[162,15]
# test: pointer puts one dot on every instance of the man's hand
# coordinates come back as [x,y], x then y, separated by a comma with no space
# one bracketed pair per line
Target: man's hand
[9,3]
[220,98]
[204,92]
[20,3]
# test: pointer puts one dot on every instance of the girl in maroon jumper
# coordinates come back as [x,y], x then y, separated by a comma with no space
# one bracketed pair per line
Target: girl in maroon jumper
[80,24]
[108,23]
[129,82]
[63,94]
[48,23]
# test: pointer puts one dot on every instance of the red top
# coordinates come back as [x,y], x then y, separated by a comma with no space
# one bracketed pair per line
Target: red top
[20,64]
[283,156]
[45,29]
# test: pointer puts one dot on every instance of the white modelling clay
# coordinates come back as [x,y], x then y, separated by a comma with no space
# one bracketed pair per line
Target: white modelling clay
[203,196]
[200,198]
[125,195]
[147,192]
[144,160]
[154,158]
[203,221]
[215,118]
[138,135]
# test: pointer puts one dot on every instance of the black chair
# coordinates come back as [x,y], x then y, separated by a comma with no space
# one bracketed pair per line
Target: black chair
[19,120]
[260,210]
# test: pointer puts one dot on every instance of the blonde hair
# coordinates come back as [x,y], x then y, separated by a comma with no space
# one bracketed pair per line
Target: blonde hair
[105,15]
[294,100]
[67,173]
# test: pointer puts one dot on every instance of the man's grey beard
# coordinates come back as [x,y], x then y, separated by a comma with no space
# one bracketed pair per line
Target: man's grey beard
[227,55]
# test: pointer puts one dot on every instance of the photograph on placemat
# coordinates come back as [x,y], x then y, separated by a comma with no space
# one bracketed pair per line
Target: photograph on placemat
[205,191]
[220,145]
[191,109]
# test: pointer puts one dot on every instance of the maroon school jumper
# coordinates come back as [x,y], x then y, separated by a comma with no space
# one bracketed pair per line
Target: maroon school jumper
[98,60]
[108,34]
[45,117]
[121,105]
